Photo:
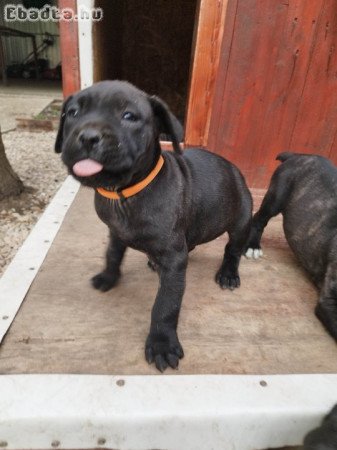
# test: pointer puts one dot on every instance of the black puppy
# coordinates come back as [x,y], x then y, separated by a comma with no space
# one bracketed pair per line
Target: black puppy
[325,436]
[109,138]
[304,189]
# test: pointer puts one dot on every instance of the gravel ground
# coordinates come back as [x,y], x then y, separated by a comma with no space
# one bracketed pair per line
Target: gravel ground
[25,98]
[42,172]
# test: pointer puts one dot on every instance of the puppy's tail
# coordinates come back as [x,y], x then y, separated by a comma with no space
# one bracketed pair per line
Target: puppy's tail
[284,156]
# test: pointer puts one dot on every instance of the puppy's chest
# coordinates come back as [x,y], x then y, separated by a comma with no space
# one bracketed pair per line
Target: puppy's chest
[135,227]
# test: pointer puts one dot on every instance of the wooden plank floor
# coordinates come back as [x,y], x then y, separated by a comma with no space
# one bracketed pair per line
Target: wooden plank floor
[265,327]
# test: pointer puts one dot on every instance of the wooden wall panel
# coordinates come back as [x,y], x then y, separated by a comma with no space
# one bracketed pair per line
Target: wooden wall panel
[285,87]
[318,105]
[276,87]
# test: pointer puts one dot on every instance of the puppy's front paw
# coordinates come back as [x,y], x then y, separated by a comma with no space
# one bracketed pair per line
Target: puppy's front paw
[164,349]
[254,253]
[227,279]
[104,281]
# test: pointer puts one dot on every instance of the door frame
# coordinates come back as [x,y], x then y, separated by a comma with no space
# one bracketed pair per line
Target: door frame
[69,49]
[207,44]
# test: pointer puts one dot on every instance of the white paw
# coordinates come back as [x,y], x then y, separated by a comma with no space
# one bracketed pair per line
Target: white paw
[254,253]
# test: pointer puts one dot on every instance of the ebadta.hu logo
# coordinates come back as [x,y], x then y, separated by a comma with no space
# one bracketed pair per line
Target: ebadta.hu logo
[47,12]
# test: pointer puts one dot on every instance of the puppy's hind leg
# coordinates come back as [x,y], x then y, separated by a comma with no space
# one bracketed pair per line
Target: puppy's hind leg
[326,309]
[272,205]
[107,279]
[228,275]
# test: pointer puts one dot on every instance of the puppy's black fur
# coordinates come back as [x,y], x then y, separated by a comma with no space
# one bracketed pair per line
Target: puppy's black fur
[304,189]
[196,197]
[325,436]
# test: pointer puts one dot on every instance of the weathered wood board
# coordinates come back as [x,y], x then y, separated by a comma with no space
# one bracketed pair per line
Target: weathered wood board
[265,327]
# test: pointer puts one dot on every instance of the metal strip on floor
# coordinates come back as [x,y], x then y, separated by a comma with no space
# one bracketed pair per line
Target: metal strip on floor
[20,273]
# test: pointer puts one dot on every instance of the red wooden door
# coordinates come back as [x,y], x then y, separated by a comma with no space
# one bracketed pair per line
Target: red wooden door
[276,84]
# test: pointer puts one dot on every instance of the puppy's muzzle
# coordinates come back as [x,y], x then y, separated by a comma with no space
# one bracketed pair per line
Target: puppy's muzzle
[90,137]
[96,140]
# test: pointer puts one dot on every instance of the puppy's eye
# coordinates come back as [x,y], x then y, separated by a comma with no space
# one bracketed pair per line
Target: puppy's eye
[72,112]
[129,116]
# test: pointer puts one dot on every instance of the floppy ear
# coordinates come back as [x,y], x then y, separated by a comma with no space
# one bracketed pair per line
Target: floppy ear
[167,122]
[59,137]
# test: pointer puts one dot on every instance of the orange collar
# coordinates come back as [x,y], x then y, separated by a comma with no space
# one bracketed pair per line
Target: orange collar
[133,190]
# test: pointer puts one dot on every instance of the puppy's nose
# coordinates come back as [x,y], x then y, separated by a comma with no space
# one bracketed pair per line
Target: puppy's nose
[89,137]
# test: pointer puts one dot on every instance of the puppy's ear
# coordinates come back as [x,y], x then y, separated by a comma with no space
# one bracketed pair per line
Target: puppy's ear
[59,137]
[167,122]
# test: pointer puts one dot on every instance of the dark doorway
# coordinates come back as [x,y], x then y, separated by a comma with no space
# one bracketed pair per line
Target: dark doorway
[148,43]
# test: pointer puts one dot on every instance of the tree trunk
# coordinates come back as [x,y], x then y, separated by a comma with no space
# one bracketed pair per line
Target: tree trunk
[10,183]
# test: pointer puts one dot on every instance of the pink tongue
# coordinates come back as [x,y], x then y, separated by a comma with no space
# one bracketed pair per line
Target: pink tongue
[87,167]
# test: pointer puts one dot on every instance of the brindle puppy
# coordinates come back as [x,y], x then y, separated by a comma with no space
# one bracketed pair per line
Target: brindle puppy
[304,189]
[109,137]
[325,436]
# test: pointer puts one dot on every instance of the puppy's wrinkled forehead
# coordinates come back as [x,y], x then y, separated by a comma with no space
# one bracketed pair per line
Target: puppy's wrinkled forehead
[114,96]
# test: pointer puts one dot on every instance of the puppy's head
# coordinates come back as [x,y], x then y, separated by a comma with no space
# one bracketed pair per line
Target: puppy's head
[109,133]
